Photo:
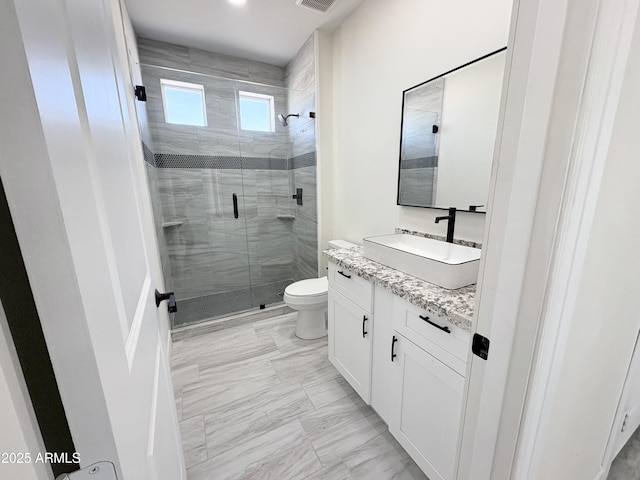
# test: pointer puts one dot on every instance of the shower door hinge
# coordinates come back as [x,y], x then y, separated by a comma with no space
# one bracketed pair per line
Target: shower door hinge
[624,422]
[141,93]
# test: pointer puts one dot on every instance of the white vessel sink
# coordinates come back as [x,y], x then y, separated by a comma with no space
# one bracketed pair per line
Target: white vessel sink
[445,264]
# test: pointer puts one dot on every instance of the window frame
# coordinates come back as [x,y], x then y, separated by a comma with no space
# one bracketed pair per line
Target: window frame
[264,98]
[184,86]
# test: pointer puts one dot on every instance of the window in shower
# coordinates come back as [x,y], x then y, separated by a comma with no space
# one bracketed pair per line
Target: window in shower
[256,112]
[183,103]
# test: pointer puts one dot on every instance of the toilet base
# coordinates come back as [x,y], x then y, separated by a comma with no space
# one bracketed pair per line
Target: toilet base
[311,324]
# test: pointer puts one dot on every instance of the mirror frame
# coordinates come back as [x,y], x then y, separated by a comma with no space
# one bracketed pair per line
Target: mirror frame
[495,52]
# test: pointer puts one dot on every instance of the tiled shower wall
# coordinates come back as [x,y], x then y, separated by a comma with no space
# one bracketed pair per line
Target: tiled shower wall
[300,79]
[215,263]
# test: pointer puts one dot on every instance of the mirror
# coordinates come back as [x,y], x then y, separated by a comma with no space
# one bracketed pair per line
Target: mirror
[447,136]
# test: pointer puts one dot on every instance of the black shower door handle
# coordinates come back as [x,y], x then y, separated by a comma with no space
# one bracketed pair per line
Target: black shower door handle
[235,206]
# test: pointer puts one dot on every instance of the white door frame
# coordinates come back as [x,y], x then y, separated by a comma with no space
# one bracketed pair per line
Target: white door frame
[561,93]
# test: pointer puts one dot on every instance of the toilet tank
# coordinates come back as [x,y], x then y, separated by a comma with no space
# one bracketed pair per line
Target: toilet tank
[341,244]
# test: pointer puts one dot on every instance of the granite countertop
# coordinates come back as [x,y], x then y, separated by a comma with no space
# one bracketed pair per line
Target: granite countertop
[456,306]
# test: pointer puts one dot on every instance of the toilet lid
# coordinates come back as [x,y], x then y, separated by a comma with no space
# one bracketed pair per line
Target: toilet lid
[308,288]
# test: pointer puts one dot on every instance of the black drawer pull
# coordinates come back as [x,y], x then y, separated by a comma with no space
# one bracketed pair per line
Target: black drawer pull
[364,332]
[393,344]
[344,274]
[426,319]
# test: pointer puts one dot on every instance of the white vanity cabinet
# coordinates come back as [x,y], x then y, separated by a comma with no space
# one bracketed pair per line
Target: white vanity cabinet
[419,363]
[351,328]
[409,366]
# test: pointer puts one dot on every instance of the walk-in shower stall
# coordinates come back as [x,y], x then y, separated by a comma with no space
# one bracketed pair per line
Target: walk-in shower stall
[233,192]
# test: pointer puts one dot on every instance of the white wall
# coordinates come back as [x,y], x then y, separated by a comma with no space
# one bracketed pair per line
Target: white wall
[470,106]
[383,48]
[607,315]
[20,433]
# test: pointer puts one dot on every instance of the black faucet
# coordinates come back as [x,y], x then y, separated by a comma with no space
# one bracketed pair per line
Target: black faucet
[451,218]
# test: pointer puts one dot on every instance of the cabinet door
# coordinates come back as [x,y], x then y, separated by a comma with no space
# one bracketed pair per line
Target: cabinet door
[350,333]
[383,371]
[426,414]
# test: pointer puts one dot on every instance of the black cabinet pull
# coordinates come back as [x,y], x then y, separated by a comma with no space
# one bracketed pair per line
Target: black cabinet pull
[344,274]
[235,206]
[364,332]
[393,345]
[426,319]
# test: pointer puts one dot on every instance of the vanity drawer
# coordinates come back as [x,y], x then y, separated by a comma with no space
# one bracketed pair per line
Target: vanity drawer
[429,332]
[356,289]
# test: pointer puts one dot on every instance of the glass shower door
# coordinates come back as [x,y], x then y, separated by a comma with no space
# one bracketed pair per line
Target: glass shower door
[267,194]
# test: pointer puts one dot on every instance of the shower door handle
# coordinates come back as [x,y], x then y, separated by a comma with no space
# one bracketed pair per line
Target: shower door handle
[235,206]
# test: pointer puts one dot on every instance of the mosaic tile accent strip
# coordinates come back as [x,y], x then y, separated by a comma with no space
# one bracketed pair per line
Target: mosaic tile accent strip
[253,163]
[304,160]
[456,306]
[464,243]
[423,162]
[219,162]
[171,160]
[147,154]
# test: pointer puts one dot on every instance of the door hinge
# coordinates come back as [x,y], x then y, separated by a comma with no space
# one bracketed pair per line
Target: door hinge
[141,93]
[624,422]
[480,346]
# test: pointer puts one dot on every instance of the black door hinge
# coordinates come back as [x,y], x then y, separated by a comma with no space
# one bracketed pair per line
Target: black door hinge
[480,346]
[141,93]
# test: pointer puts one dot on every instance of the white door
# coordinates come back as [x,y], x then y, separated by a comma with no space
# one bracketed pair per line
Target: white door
[81,214]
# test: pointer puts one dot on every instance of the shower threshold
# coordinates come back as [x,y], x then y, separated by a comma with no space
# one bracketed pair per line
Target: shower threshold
[219,305]
[228,321]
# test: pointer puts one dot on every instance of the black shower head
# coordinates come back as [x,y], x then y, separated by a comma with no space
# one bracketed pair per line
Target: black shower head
[283,119]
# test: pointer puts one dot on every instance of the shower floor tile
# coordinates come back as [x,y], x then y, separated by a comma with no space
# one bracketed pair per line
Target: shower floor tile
[273,407]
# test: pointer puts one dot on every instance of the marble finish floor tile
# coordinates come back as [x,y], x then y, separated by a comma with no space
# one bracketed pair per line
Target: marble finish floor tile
[194,440]
[382,458]
[339,428]
[254,415]
[283,453]
[256,402]
[626,466]
[324,393]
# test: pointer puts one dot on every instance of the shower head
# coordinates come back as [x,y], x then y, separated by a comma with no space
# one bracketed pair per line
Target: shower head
[283,119]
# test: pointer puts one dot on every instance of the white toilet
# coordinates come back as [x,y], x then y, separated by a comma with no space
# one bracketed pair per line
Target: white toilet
[309,298]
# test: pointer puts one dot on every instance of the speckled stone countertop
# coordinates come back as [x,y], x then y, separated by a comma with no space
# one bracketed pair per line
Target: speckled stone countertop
[453,305]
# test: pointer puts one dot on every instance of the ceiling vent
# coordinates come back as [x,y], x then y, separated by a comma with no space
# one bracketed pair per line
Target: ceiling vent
[318,5]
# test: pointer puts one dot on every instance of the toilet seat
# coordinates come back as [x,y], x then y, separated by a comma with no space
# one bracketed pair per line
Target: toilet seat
[312,287]
[305,293]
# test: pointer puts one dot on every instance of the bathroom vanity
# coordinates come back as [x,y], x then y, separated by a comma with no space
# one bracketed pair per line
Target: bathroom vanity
[403,345]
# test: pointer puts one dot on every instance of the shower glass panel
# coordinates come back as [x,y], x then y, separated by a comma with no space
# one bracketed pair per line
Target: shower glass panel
[230,235]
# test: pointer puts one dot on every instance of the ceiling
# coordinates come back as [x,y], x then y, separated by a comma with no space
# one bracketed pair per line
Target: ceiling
[270,31]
